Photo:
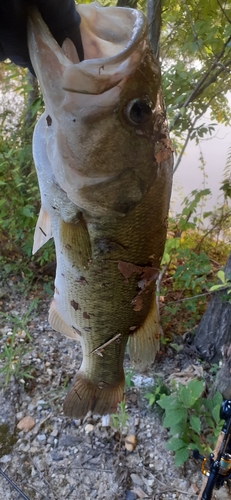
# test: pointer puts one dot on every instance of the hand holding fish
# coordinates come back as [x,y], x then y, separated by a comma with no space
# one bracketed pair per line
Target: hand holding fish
[60,15]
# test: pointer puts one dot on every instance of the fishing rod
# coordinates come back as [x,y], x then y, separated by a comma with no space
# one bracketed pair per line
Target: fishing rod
[219,469]
[21,494]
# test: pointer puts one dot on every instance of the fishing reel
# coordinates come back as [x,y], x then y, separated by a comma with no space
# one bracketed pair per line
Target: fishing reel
[218,469]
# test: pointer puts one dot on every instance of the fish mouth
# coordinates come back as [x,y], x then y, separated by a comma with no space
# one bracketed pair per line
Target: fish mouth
[113,42]
[85,103]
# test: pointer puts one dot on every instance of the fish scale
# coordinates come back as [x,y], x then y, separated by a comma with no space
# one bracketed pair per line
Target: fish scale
[104,164]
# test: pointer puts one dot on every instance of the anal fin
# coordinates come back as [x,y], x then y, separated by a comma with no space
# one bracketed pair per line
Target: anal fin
[85,396]
[144,343]
[43,231]
[57,323]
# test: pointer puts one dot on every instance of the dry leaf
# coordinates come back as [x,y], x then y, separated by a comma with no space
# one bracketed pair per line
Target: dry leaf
[26,424]
[195,488]
[130,442]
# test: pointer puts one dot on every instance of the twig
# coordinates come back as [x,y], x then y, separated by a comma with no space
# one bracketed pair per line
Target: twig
[99,349]
[184,146]
[222,219]
[178,491]
[45,419]
[224,12]
[42,478]
[190,298]
[92,468]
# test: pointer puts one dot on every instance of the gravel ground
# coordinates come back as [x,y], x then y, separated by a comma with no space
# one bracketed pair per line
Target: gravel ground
[60,458]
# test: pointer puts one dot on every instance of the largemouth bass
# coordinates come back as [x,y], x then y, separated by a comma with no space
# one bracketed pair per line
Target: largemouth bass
[104,164]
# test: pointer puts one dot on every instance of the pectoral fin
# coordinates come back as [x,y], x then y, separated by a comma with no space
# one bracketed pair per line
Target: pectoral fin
[144,342]
[59,325]
[43,231]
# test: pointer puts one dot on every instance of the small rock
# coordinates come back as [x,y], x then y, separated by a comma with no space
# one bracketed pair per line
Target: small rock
[55,432]
[89,428]
[33,449]
[77,422]
[68,440]
[136,479]
[41,438]
[158,465]
[19,415]
[5,459]
[50,440]
[31,406]
[149,490]
[105,420]
[26,424]
[130,495]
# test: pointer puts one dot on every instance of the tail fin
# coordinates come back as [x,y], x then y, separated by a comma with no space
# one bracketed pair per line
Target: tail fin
[144,342]
[85,396]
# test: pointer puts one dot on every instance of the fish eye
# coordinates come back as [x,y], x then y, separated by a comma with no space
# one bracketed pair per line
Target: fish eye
[139,111]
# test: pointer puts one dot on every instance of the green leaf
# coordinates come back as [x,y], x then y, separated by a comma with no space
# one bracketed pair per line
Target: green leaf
[221,276]
[191,392]
[181,456]
[216,413]
[174,416]
[167,401]
[217,399]
[216,287]
[195,423]
[175,430]
[175,444]
[28,211]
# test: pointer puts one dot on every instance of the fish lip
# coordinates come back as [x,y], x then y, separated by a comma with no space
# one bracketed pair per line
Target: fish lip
[105,67]
[94,75]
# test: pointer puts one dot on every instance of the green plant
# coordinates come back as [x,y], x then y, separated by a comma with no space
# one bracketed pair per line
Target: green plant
[13,350]
[192,421]
[157,391]
[128,378]
[224,285]
[120,418]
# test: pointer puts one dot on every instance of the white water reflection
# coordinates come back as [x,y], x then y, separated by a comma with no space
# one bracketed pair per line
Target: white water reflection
[188,175]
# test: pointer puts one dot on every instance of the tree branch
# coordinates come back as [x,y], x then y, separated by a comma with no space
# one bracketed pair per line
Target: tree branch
[200,87]
[154,24]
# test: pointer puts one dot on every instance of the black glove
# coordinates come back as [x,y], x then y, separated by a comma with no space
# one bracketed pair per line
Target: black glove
[60,16]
